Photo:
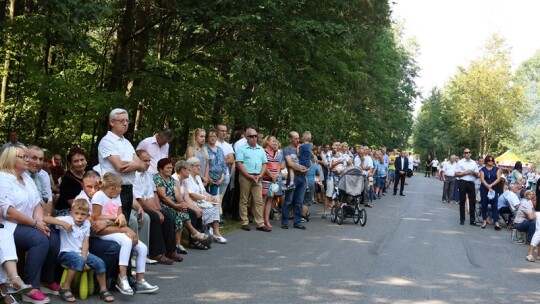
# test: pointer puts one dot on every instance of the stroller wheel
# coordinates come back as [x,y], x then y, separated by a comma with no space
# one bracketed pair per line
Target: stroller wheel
[356,215]
[340,216]
[333,214]
[363,217]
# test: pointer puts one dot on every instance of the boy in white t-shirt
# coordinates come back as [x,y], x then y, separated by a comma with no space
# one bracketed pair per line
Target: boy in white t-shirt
[74,242]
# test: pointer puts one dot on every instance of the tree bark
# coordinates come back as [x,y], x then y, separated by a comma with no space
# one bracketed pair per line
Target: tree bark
[5,78]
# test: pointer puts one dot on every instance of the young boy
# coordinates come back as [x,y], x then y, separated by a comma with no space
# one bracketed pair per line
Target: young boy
[304,157]
[74,242]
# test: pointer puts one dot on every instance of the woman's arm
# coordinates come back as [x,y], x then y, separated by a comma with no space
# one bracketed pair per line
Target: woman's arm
[164,198]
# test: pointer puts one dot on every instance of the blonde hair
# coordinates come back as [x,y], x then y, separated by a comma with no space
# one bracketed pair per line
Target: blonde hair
[306,137]
[266,140]
[80,204]
[8,157]
[194,144]
[110,180]
[529,192]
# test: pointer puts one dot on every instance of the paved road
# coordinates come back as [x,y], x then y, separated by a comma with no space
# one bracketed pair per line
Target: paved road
[412,250]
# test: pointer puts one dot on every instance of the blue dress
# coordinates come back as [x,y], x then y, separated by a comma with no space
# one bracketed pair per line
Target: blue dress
[489,176]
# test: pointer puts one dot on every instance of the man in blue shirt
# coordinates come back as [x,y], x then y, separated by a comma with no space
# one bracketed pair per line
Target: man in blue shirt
[296,195]
[251,163]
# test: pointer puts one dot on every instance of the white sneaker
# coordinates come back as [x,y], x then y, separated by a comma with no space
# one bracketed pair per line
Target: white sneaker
[220,239]
[150,261]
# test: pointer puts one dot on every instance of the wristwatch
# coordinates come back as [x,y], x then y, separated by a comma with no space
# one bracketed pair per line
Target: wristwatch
[107,221]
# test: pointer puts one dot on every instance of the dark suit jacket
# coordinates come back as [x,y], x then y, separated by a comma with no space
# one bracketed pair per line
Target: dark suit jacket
[398,164]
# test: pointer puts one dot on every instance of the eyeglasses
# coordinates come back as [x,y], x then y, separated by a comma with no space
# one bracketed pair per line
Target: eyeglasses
[122,121]
[23,157]
[490,160]
[252,136]
[467,152]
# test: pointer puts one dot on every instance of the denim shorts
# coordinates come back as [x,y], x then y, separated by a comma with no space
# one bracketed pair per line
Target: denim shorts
[380,181]
[75,262]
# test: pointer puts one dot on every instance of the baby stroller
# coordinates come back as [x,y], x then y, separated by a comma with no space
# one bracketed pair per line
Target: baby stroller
[349,196]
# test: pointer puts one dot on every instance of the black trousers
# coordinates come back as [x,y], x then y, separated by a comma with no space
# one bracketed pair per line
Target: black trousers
[162,238]
[466,188]
[401,179]
[126,197]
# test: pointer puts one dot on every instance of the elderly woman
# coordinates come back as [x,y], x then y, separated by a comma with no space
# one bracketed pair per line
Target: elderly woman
[217,167]
[525,220]
[23,214]
[206,202]
[199,150]
[71,184]
[10,282]
[173,202]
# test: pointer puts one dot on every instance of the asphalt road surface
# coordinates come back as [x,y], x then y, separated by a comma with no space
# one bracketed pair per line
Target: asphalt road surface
[412,250]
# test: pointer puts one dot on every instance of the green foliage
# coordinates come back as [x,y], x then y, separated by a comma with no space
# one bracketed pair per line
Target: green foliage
[336,68]
[479,108]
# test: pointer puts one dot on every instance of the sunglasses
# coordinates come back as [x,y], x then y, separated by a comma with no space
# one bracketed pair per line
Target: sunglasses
[252,136]
[467,152]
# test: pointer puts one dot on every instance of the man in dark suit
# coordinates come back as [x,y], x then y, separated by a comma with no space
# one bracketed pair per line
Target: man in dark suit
[402,164]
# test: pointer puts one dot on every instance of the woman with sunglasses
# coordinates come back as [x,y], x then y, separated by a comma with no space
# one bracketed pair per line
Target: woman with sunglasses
[490,176]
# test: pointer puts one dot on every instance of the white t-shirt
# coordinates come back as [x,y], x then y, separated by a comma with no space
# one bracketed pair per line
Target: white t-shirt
[242,141]
[368,162]
[435,163]
[46,182]
[73,241]
[110,145]
[227,149]
[109,206]
[156,152]
[531,176]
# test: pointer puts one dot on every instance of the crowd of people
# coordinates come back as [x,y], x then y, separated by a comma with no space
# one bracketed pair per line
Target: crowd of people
[139,206]
[503,195]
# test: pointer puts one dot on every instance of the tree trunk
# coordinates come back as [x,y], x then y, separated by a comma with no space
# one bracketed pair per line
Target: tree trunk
[5,78]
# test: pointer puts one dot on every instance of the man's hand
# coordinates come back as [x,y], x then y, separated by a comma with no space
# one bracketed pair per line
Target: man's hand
[161,217]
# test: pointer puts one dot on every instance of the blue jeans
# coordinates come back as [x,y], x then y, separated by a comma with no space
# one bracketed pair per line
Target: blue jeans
[213,189]
[527,226]
[296,197]
[391,175]
[75,262]
[38,249]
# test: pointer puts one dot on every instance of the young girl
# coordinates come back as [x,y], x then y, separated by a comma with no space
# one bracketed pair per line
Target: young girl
[107,206]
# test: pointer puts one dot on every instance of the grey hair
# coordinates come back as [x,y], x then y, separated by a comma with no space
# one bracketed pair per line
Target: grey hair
[116,112]
[166,133]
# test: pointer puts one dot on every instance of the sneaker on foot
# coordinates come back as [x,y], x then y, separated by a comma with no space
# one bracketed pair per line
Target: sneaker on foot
[144,287]
[324,216]
[122,285]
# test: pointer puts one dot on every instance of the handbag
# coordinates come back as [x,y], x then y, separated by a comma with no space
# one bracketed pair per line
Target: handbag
[204,204]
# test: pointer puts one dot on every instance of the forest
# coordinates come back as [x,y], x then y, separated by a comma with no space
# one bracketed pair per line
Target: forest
[337,68]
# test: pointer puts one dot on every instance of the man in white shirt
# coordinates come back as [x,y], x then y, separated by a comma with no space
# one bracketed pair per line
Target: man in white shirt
[157,146]
[117,155]
[448,175]
[434,167]
[228,151]
[467,172]
[40,176]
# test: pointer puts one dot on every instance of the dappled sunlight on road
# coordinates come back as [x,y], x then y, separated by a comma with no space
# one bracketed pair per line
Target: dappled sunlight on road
[359,241]
[394,281]
[527,270]
[213,295]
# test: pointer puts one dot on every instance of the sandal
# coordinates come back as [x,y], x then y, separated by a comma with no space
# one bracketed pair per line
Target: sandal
[198,245]
[7,298]
[67,296]
[106,296]
[199,236]
[16,288]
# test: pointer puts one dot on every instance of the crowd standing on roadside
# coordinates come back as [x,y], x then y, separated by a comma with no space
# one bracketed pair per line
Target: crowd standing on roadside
[139,206]
[490,194]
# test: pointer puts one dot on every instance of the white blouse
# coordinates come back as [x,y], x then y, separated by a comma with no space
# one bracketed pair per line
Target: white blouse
[24,198]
